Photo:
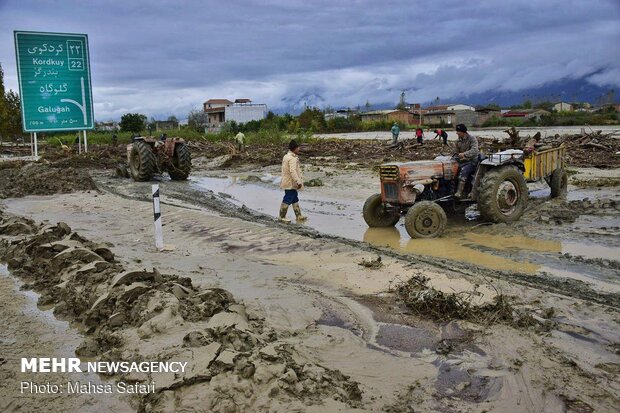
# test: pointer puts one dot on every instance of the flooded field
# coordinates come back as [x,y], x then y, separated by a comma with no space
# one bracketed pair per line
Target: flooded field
[465,240]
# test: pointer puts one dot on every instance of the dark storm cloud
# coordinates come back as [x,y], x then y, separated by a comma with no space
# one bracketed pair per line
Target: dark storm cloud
[164,57]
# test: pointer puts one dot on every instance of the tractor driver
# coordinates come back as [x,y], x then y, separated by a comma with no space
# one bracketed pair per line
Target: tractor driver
[467,156]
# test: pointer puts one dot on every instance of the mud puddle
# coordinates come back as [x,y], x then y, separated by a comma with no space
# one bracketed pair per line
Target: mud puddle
[342,217]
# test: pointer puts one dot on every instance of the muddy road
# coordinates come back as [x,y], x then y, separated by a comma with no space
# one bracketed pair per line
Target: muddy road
[538,301]
[583,246]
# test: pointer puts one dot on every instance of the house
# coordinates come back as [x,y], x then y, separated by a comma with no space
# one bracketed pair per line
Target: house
[525,113]
[450,117]
[220,111]
[107,126]
[461,107]
[484,114]
[216,103]
[340,113]
[562,107]
[395,115]
[163,125]
[455,107]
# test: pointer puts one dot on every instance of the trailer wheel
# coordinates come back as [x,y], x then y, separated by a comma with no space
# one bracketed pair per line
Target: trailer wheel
[425,219]
[376,215]
[142,162]
[503,195]
[558,183]
[181,163]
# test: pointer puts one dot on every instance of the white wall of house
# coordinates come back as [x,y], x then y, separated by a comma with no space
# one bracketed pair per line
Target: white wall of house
[461,107]
[242,113]
[562,107]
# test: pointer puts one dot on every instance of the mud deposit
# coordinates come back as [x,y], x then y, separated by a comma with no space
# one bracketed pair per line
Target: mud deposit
[234,360]
[18,179]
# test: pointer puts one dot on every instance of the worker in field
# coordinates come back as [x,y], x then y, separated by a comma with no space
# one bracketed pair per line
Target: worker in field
[441,134]
[292,181]
[240,140]
[467,155]
[419,135]
[395,132]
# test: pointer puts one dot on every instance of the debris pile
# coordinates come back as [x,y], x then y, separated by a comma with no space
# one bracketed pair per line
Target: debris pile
[586,149]
[235,363]
[426,301]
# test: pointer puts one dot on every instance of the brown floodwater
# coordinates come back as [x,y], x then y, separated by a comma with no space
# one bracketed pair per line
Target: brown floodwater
[343,217]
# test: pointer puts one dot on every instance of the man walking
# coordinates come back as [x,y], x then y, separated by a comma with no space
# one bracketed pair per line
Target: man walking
[395,132]
[292,181]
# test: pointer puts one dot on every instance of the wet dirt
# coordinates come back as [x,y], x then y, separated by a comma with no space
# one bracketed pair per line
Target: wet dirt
[464,240]
[309,288]
[19,179]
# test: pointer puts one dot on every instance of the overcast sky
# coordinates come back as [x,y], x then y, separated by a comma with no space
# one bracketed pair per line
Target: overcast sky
[164,58]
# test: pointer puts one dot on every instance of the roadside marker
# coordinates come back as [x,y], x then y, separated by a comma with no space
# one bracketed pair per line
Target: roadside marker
[159,238]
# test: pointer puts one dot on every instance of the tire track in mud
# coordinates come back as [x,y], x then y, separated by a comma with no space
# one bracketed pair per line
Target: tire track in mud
[187,196]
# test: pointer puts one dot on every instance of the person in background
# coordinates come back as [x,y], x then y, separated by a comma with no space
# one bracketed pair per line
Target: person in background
[395,132]
[441,134]
[419,135]
[292,181]
[240,139]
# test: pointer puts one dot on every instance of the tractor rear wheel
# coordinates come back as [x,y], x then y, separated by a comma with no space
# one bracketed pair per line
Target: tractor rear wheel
[502,195]
[558,183]
[376,215]
[425,219]
[181,163]
[142,161]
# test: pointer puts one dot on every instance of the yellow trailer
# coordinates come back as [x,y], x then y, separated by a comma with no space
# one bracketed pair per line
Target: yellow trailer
[539,165]
[548,165]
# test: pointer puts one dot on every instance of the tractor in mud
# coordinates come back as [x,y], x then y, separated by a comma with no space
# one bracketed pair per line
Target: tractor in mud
[147,156]
[423,191]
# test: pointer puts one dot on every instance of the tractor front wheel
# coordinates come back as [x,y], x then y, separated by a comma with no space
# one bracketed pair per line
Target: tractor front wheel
[503,195]
[142,161]
[558,183]
[425,219]
[181,163]
[376,215]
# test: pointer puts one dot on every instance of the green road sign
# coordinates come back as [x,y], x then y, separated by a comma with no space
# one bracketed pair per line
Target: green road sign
[54,81]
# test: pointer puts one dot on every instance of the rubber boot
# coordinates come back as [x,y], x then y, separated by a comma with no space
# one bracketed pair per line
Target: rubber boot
[298,216]
[459,190]
[283,211]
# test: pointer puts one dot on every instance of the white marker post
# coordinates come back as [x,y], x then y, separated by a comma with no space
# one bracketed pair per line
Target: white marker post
[85,142]
[159,238]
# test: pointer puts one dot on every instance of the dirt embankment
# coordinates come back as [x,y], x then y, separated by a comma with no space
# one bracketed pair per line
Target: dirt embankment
[18,179]
[235,362]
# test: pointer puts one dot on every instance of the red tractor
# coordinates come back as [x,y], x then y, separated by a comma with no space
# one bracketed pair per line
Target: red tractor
[423,191]
[147,156]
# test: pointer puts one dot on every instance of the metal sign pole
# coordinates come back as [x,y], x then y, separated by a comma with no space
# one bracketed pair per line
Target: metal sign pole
[36,149]
[85,142]
[79,136]
[31,145]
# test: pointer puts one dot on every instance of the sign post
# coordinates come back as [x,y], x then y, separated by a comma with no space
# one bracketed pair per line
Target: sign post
[54,82]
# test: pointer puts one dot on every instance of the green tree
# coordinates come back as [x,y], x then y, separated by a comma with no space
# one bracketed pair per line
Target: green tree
[312,118]
[10,111]
[527,104]
[12,118]
[133,122]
